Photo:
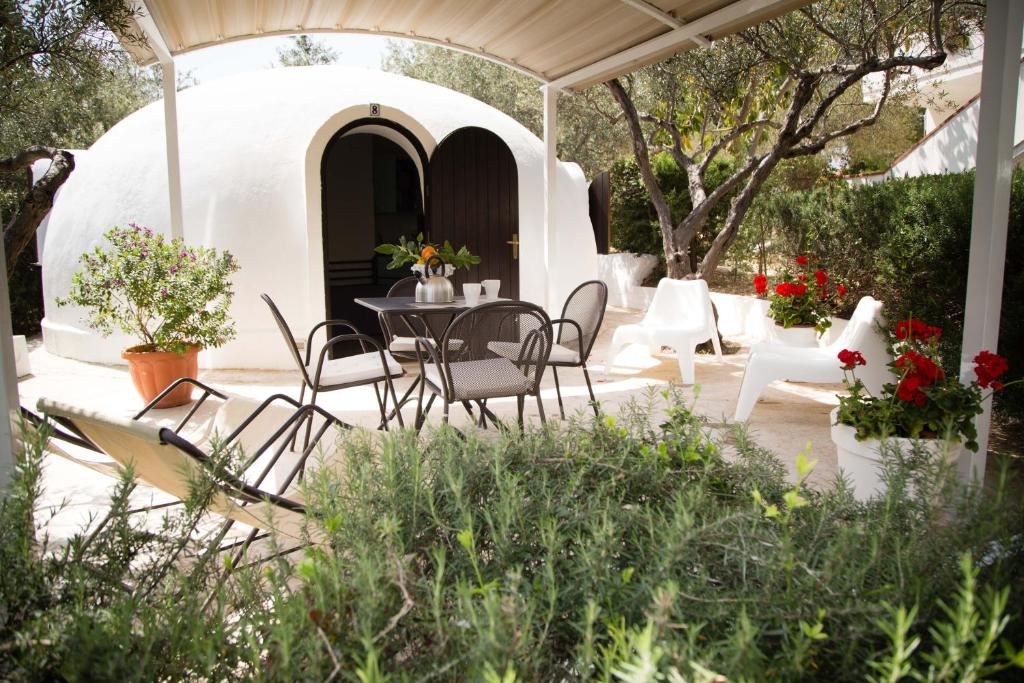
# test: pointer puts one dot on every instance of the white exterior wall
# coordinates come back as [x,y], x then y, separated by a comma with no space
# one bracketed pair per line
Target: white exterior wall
[951,148]
[251,148]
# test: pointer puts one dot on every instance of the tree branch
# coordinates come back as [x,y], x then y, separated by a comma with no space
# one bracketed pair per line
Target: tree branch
[38,200]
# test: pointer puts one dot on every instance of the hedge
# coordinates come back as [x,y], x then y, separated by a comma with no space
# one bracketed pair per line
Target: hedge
[611,549]
[906,242]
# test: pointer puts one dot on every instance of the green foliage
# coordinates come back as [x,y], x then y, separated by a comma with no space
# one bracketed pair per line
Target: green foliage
[611,550]
[420,253]
[168,295]
[906,242]
[304,51]
[64,81]
[634,221]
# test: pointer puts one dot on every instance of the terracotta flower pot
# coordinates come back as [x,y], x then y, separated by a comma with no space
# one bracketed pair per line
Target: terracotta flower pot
[797,335]
[861,461]
[154,371]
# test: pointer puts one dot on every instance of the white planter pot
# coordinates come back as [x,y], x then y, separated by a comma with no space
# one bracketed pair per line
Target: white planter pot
[861,462]
[792,336]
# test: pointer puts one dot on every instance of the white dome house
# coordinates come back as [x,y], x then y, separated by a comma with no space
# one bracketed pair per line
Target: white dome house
[300,172]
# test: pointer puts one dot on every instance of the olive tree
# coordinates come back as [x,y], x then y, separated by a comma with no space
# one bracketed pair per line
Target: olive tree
[768,94]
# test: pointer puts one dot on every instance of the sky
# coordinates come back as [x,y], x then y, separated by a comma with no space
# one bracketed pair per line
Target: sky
[216,62]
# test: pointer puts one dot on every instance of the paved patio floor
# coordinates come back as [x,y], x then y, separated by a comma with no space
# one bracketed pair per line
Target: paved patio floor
[787,419]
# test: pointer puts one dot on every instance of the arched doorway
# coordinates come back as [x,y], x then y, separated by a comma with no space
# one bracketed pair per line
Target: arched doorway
[371,193]
[473,200]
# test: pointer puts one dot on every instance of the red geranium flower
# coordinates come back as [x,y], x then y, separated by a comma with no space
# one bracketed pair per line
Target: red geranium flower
[988,366]
[801,260]
[784,288]
[841,290]
[800,289]
[920,366]
[851,359]
[821,277]
[760,283]
[916,330]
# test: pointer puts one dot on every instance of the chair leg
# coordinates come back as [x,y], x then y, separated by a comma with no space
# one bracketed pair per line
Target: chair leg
[540,409]
[382,406]
[590,388]
[389,383]
[558,392]
[520,404]
[302,395]
[447,405]
[755,379]
[309,420]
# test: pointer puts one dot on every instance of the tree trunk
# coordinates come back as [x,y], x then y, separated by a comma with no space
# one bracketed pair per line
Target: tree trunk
[737,212]
[38,199]
[677,262]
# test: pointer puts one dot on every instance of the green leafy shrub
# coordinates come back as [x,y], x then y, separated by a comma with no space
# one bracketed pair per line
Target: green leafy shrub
[168,295]
[906,242]
[635,225]
[612,550]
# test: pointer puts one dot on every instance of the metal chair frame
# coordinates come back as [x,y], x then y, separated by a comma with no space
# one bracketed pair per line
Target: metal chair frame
[365,342]
[534,350]
[231,484]
[583,353]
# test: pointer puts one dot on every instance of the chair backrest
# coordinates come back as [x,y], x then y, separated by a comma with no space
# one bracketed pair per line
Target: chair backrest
[862,334]
[586,306]
[171,463]
[680,301]
[289,340]
[393,325]
[513,330]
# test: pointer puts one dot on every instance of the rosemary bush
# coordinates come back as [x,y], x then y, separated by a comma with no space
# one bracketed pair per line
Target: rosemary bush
[612,550]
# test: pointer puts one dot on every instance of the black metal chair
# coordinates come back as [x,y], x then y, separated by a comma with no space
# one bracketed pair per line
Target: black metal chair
[474,369]
[373,366]
[578,326]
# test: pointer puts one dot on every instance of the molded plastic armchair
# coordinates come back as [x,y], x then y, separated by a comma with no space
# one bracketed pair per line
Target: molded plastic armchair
[373,366]
[477,368]
[771,362]
[680,316]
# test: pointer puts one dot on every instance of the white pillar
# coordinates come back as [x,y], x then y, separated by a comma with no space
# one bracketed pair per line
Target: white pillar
[1000,72]
[8,380]
[550,172]
[170,83]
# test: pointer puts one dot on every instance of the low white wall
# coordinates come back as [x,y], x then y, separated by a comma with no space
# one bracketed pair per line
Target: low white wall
[623,272]
[745,317]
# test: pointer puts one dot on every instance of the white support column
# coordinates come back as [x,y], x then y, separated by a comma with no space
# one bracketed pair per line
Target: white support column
[170,83]
[996,118]
[156,41]
[8,381]
[550,173]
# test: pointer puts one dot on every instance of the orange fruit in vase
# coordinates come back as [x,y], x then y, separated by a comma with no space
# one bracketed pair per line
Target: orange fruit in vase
[427,252]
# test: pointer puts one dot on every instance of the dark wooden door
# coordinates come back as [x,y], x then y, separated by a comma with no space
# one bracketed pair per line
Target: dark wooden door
[600,193]
[473,200]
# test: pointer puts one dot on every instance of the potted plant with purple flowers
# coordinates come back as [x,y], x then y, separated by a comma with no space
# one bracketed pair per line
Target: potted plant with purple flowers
[172,297]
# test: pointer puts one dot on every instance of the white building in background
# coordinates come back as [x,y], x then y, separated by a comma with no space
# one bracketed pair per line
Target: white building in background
[949,96]
[299,172]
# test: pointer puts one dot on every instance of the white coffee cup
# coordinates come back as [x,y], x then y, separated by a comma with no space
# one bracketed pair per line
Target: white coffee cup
[471,290]
[492,287]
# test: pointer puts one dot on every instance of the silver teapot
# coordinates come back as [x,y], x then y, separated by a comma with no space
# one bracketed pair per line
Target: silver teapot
[434,287]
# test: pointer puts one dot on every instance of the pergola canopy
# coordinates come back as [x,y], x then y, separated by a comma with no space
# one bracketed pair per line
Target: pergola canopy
[568,43]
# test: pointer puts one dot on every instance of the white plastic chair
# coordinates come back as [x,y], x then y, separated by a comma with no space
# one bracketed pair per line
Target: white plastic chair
[771,362]
[680,316]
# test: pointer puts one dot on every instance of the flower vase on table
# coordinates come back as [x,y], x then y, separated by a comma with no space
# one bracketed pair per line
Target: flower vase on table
[433,265]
